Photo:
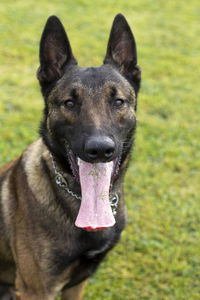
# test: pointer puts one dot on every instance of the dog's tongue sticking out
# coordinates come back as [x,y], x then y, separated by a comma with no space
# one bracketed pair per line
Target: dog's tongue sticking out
[95,211]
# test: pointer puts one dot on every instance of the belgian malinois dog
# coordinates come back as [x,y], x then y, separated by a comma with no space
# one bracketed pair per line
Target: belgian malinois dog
[61,201]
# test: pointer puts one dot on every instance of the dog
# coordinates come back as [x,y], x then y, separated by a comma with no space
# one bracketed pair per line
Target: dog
[61,201]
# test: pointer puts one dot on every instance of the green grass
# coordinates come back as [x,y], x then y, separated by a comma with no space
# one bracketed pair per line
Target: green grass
[159,253]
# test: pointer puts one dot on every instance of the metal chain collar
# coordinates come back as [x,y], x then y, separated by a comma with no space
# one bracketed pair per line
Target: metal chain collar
[62,182]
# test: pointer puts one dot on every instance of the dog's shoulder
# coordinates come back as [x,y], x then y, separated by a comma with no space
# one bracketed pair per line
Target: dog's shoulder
[33,154]
[25,171]
[4,169]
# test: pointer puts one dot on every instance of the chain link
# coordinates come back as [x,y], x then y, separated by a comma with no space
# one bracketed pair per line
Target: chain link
[113,203]
[61,181]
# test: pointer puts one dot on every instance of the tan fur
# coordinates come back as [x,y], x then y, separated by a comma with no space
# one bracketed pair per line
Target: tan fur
[5,195]
[74,293]
[7,166]
[38,182]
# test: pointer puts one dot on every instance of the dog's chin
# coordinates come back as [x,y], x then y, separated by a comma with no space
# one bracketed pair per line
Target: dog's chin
[74,164]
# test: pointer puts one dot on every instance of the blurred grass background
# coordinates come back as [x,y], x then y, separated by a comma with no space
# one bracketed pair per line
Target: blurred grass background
[159,253]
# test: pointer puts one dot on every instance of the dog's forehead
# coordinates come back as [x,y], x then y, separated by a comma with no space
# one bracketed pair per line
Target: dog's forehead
[98,76]
[94,79]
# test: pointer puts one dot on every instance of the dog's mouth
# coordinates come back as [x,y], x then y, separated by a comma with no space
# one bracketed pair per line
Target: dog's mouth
[96,179]
[75,163]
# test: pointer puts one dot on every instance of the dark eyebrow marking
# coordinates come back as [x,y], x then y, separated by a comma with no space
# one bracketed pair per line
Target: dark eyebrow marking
[73,93]
[113,91]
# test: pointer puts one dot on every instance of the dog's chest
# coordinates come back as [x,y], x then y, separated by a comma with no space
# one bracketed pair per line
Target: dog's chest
[99,242]
[84,246]
[86,252]
[94,252]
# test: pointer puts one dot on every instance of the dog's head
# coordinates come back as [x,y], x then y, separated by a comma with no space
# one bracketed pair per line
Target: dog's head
[90,113]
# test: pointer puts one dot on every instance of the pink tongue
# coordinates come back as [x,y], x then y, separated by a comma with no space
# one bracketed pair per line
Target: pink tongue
[95,212]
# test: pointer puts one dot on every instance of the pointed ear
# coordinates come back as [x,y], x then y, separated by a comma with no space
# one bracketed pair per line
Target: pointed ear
[55,51]
[121,50]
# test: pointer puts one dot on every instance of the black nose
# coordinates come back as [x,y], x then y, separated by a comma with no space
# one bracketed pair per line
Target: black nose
[99,148]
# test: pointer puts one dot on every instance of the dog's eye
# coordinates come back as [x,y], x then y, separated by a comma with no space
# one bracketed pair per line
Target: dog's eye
[69,103]
[118,102]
